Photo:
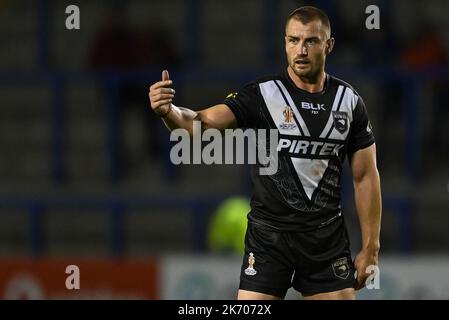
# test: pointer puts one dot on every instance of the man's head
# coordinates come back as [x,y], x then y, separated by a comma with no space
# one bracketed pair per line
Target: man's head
[308,41]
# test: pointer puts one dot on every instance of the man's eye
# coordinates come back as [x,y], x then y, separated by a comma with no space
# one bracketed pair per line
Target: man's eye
[293,40]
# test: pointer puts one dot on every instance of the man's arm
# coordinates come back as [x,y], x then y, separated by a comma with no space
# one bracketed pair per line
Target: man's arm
[161,95]
[368,204]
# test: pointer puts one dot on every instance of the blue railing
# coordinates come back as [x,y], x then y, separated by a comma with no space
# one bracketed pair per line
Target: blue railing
[199,208]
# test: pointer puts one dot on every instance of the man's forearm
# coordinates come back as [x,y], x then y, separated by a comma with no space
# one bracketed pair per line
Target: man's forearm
[161,96]
[179,117]
[368,204]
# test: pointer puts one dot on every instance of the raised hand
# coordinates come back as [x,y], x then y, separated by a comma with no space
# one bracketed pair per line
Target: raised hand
[161,95]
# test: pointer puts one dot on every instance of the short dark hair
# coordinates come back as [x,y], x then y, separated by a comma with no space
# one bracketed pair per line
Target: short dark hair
[307,14]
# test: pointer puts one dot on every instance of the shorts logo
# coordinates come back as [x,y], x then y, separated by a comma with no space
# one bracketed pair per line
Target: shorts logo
[250,271]
[340,121]
[341,268]
[288,119]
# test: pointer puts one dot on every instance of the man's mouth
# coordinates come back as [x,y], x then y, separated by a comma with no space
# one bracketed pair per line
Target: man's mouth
[302,62]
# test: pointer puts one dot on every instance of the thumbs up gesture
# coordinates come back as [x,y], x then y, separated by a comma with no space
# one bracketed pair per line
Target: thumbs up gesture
[161,95]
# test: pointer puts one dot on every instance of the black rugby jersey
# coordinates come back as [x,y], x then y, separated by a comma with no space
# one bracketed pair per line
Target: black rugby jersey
[316,133]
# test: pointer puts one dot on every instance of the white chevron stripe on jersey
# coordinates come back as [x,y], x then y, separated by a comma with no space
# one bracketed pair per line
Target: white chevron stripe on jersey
[347,105]
[310,172]
[330,121]
[302,124]
[276,106]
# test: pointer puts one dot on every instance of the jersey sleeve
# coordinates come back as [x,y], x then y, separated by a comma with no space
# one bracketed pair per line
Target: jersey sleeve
[243,104]
[361,135]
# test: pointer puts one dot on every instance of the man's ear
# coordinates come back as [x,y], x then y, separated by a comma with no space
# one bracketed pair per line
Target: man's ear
[330,45]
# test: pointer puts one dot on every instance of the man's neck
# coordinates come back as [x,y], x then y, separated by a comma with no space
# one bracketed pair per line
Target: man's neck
[312,86]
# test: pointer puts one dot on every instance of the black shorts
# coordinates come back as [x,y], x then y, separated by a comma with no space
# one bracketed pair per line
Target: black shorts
[312,262]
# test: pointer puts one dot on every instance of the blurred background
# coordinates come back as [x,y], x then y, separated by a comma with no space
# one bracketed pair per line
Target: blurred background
[85,176]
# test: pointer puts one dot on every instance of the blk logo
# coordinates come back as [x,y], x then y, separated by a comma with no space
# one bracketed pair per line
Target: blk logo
[313,107]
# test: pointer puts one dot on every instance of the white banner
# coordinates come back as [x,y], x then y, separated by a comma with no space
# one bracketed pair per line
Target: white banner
[217,277]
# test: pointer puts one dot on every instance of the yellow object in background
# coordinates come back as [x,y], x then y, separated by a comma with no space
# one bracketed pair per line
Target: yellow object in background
[227,226]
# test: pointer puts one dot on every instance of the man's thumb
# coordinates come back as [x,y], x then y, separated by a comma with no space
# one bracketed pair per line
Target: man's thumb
[165,75]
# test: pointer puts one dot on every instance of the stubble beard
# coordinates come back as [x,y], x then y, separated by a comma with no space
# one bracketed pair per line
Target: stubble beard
[310,74]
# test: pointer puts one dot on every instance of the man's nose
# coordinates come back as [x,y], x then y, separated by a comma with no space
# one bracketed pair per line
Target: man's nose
[302,49]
